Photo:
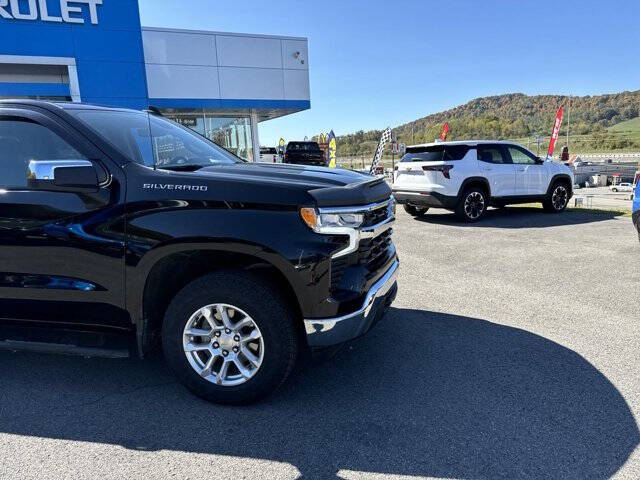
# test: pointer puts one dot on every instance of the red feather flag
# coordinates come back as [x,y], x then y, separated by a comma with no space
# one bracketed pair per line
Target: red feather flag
[445,132]
[556,131]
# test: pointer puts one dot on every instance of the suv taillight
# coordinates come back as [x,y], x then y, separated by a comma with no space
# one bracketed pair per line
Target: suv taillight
[445,169]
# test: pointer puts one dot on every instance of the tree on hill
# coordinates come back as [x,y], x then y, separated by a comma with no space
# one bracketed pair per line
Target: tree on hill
[515,116]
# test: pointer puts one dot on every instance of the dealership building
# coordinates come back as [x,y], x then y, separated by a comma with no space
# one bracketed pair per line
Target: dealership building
[96,51]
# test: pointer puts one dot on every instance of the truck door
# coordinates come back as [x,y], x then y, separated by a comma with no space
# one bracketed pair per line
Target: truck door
[61,235]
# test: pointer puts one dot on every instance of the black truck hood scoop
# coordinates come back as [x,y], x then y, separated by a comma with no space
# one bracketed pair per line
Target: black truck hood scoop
[309,175]
[328,186]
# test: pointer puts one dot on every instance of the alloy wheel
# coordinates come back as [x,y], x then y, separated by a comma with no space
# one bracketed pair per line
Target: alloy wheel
[559,198]
[474,205]
[223,344]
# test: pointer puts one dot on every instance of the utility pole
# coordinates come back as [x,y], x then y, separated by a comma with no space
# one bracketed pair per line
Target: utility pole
[568,121]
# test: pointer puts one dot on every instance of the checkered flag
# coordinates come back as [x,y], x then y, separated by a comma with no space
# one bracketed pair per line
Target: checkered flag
[384,139]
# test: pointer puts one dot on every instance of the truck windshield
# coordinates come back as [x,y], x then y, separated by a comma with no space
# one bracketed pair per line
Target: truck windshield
[154,141]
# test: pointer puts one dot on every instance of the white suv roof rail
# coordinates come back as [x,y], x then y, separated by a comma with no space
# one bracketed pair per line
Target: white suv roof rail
[463,142]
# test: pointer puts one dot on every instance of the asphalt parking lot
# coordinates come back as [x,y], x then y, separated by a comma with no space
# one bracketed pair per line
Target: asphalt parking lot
[511,352]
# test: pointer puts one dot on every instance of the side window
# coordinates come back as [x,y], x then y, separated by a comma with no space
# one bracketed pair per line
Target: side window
[22,141]
[521,157]
[492,154]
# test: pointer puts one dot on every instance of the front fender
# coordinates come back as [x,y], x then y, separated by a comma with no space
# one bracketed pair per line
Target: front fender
[561,176]
[137,276]
[276,237]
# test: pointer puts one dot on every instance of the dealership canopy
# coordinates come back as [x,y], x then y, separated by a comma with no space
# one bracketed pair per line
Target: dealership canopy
[96,51]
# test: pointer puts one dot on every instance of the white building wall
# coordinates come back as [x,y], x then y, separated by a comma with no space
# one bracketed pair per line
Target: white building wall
[182,81]
[210,65]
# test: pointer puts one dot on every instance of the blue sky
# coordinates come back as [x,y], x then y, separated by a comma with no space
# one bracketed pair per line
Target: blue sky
[383,63]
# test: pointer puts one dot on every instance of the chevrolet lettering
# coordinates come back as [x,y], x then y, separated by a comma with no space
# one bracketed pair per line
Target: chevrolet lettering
[70,10]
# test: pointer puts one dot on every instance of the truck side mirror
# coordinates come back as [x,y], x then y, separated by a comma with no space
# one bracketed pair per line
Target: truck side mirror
[63,175]
[80,177]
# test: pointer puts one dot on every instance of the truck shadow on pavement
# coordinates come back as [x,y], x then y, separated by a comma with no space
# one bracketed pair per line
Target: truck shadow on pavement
[523,217]
[423,394]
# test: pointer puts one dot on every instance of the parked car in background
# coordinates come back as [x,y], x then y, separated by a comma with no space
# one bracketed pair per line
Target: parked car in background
[269,155]
[622,187]
[469,176]
[121,223]
[305,153]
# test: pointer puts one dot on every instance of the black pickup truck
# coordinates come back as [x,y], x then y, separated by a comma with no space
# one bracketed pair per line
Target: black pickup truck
[305,153]
[122,224]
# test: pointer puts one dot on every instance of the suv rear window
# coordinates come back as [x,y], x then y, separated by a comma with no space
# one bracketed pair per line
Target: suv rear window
[435,153]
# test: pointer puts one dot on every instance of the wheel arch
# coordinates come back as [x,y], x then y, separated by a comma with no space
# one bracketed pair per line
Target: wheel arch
[169,269]
[560,177]
[471,181]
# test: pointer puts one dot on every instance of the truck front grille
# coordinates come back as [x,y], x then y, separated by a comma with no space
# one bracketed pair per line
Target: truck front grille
[379,215]
[338,266]
[350,272]
[372,255]
[373,252]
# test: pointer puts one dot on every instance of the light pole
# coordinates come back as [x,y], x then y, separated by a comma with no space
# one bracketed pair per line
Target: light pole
[568,120]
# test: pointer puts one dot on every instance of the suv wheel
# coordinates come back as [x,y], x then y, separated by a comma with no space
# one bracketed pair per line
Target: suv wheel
[557,199]
[472,205]
[230,338]
[415,211]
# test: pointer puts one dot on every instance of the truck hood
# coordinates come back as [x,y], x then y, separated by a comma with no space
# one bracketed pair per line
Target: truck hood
[327,186]
[313,177]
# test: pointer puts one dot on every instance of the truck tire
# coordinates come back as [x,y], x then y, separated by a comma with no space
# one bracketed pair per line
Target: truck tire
[415,211]
[472,205]
[230,337]
[557,199]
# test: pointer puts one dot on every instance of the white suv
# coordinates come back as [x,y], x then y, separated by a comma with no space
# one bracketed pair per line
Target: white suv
[468,177]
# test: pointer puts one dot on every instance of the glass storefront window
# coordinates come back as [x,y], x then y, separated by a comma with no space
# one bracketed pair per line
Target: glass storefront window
[230,132]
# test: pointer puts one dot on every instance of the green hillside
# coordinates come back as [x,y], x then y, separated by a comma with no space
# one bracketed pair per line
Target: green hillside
[629,129]
[628,126]
[597,123]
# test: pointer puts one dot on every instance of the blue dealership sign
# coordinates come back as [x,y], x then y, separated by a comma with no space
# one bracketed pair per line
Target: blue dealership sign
[101,38]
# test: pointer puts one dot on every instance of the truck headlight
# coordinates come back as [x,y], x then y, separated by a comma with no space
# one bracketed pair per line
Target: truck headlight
[320,222]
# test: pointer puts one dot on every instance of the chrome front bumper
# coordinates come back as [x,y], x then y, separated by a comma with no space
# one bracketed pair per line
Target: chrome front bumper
[325,332]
